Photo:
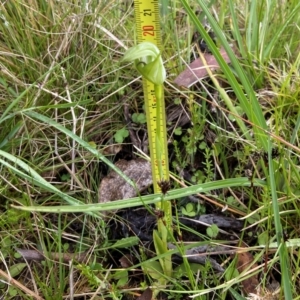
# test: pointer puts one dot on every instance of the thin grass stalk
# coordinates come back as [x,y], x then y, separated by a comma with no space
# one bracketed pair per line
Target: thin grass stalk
[249,103]
[276,36]
[283,254]
[34,178]
[60,251]
[252,28]
[236,30]
[80,141]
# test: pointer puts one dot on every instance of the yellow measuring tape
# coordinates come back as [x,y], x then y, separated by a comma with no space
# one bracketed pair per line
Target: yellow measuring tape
[148,30]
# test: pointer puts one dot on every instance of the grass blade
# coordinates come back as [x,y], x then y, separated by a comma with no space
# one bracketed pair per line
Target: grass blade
[149,199]
[283,254]
[80,141]
[249,103]
[32,176]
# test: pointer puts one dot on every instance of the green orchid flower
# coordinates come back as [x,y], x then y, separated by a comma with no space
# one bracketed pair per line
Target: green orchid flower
[148,61]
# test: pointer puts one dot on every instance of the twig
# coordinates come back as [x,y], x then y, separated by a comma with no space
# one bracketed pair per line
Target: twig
[190,254]
[19,285]
[71,280]
[73,129]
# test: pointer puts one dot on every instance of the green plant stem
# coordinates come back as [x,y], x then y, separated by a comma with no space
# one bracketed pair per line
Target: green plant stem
[283,255]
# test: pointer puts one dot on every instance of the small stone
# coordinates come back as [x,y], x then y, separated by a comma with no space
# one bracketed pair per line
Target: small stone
[114,187]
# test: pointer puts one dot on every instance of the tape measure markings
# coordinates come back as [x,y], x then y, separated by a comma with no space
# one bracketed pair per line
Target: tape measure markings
[148,30]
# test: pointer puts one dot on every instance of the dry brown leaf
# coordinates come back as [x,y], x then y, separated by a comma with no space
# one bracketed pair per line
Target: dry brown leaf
[198,69]
[114,187]
[244,261]
[111,149]
[126,261]
[147,295]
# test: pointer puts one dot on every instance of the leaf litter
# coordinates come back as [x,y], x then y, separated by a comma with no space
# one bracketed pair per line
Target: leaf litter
[198,69]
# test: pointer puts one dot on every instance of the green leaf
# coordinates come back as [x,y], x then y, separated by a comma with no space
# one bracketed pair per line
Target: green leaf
[236,295]
[139,118]
[17,255]
[12,291]
[189,207]
[16,269]
[177,101]
[189,210]
[178,131]
[126,242]
[93,144]
[153,269]
[65,177]
[122,277]
[263,238]
[161,248]
[182,269]
[212,231]
[121,134]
